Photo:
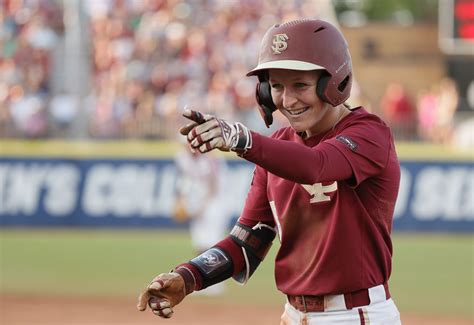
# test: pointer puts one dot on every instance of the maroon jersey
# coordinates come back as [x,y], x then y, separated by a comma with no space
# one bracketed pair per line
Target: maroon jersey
[332,198]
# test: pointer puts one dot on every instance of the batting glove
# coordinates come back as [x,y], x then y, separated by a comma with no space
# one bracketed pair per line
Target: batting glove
[208,132]
[162,294]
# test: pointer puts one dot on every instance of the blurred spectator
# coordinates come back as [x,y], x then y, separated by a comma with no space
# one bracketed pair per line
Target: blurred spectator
[427,103]
[399,111]
[448,99]
[63,109]
[463,135]
[436,109]
[28,112]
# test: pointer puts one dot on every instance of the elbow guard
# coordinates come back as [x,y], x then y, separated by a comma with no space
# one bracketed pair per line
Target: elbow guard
[255,242]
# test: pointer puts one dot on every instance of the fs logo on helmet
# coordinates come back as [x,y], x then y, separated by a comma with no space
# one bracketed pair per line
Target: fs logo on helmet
[279,43]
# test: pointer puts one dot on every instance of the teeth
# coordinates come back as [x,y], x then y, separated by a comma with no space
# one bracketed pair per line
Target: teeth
[297,112]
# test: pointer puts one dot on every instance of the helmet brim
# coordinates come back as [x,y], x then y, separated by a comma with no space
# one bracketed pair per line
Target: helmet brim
[285,64]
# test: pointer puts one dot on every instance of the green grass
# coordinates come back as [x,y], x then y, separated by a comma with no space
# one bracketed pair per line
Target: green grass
[86,262]
[432,274]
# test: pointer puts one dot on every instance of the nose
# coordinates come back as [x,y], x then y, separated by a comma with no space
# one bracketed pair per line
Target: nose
[289,98]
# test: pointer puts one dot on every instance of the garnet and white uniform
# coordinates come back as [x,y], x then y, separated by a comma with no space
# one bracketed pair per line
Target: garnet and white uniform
[332,198]
[333,207]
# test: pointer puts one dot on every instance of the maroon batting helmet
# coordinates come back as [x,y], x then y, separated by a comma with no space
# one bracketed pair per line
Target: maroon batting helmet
[304,44]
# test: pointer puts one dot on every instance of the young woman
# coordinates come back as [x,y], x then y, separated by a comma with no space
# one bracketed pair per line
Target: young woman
[326,187]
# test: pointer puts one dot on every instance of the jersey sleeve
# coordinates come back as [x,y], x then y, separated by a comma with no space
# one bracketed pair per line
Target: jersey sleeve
[366,146]
[358,151]
[257,208]
[297,162]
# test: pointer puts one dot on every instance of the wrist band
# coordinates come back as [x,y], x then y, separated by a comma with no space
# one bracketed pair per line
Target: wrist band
[189,280]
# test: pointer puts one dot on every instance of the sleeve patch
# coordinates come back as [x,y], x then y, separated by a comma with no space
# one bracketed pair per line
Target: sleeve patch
[211,261]
[348,142]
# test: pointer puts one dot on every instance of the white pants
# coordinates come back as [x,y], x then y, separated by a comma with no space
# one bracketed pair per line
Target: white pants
[378,312]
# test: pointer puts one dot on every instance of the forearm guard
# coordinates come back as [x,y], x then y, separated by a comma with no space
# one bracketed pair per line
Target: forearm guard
[214,265]
[255,242]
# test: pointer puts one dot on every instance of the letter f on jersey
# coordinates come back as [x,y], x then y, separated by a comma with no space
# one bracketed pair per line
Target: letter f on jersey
[318,191]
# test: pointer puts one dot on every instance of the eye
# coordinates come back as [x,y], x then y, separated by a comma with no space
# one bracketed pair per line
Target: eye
[276,86]
[300,85]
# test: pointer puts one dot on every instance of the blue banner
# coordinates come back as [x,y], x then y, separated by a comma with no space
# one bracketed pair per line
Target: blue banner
[115,192]
[435,196]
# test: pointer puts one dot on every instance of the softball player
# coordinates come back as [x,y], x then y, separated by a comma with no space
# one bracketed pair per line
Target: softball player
[326,187]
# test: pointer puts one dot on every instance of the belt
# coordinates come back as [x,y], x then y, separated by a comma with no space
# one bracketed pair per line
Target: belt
[309,304]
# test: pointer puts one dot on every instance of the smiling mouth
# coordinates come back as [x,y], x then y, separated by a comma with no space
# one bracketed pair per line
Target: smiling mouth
[296,112]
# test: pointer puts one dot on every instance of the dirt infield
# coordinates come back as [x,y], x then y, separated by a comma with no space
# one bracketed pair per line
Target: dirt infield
[16,310]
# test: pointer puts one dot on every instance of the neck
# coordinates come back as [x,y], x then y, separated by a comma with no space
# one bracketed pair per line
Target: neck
[333,116]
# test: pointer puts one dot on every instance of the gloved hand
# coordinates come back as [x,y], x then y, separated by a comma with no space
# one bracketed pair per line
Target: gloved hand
[208,132]
[162,294]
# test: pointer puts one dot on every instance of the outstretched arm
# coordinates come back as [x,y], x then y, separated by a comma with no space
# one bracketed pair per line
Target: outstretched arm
[287,159]
[236,256]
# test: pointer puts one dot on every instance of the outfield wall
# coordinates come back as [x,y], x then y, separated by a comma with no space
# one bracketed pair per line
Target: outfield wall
[131,184]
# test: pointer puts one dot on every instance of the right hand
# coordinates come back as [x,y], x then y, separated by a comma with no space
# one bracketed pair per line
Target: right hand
[162,294]
[208,132]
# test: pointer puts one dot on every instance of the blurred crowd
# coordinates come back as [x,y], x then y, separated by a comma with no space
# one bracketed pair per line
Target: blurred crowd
[429,116]
[27,36]
[150,58]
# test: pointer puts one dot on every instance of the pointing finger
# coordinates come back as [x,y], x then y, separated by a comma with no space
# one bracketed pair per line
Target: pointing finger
[195,116]
[184,130]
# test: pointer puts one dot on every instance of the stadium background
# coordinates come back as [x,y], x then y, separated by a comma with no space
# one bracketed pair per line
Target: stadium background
[90,96]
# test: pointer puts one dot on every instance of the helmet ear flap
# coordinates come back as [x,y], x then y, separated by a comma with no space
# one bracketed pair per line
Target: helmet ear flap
[322,86]
[330,93]
[264,99]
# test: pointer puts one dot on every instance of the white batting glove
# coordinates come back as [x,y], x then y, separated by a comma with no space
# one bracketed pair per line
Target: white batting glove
[208,132]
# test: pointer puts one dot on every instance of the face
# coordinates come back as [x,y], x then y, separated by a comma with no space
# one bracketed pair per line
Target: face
[294,94]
